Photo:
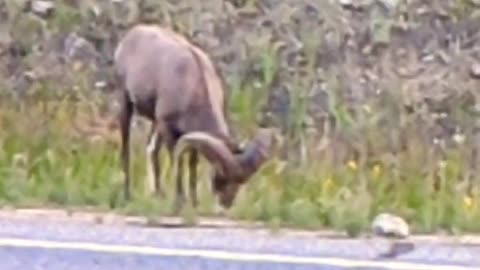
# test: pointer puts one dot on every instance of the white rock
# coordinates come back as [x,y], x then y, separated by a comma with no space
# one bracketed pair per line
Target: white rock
[475,71]
[390,226]
[42,7]
[345,2]
[390,4]
[78,48]
[355,3]
[101,84]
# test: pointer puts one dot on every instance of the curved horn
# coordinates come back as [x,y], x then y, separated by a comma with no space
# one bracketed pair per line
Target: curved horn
[256,152]
[214,150]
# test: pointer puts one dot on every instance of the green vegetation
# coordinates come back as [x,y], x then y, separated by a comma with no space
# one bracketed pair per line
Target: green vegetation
[43,160]
[399,143]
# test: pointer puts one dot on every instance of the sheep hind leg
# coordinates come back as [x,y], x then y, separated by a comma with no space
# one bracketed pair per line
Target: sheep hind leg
[153,185]
[177,165]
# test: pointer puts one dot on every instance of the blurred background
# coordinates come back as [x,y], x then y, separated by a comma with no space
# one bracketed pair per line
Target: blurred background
[376,99]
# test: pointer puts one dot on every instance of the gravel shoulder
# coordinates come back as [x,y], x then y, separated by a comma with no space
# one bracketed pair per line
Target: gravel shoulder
[79,216]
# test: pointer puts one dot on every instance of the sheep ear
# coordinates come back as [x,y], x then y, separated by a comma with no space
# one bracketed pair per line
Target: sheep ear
[213,149]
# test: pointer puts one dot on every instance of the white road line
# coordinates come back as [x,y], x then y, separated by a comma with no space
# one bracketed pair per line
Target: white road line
[223,255]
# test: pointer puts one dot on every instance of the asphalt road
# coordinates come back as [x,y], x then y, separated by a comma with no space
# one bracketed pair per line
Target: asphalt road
[40,243]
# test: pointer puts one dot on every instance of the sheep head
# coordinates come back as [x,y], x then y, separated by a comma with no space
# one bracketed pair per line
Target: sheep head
[231,168]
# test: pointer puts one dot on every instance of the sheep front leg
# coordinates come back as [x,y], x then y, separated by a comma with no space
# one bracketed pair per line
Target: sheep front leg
[192,166]
[179,194]
[125,116]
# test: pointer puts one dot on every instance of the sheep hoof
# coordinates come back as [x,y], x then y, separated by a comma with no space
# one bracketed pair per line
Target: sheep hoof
[160,193]
[219,210]
[177,208]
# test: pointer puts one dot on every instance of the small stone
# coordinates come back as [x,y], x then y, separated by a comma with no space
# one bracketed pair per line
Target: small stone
[43,8]
[390,4]
[31,75]
[77,48]
[101,84]
[390,226]
[345,3]
[475,71]
[459,138]
[349,4]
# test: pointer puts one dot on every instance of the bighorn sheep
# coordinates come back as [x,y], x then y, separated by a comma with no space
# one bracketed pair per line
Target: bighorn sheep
[174,84]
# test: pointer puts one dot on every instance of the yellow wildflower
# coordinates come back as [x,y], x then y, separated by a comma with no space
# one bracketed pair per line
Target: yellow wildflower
[376,170]
[367,108]
[468,202]
[352,165]
[328,184]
